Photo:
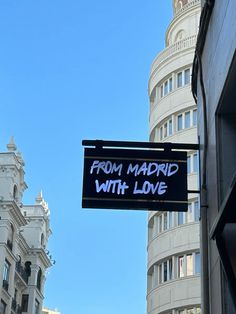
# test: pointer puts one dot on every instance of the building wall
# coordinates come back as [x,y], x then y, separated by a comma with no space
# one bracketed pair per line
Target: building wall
[173,241]
[24,232]
[217,58]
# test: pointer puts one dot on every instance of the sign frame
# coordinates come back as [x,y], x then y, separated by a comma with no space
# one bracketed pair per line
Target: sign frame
[127,177]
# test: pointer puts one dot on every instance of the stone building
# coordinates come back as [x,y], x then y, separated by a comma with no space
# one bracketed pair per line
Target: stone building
[173,238]
[24,233]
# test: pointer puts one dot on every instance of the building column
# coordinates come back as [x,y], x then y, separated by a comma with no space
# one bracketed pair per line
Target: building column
[32,287]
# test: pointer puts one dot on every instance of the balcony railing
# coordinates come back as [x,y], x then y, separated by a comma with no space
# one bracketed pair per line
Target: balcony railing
[13,305]
[171,50]
[186,7]
[16,308]
[22,272]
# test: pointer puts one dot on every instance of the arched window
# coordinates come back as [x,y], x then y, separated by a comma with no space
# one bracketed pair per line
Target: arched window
[10,237]
[28,268]
[42,239]
[180,35]
[39,278]
[15,192]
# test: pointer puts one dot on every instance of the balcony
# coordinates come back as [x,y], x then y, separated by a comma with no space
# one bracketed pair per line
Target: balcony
[172,50]
[186,7]
[20,270]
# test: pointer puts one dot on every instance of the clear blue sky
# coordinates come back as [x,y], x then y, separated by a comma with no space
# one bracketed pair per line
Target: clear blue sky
[73,70]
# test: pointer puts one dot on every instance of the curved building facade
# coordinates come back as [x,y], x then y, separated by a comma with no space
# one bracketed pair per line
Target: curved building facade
[173,238]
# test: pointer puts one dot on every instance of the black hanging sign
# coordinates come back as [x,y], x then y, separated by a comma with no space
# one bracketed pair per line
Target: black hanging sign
[135,179]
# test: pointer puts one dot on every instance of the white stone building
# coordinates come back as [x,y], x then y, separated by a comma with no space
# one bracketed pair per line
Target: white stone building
[47,311]
[173,238]
[24,233]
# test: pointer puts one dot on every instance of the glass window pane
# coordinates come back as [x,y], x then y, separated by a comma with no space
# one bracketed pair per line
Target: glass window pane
[162,91]
[197,263]
[165,221]
[165,130]
[165,271]
[180,218]
[166,88]
[160,273]
[195,117]
[190,311]
[170,84]
[190,213]
[187,120]
[187,76]
[179,79]
[161,133]
[170,220]
[170,268]
[189,164]
[180,122]
[195,163]
[160,223]
[189,264]
[170,127]
[196,211]
[198,310]
[181,266]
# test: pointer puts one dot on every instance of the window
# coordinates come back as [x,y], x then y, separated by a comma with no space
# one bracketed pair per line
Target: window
[160,223]
[36,311]
[196,211]
[179,80]
[180,218]
[189,164]
[161,133]
[179,122]
[170,128]
[187,120]
[166,87]
[165,221]
[197,269]
[186,76]
[170,85]
[165,271]
[24,302]
[183,78]
[190,311]
[166,129]
[39,276]
[192,163]
[170,220]
[6,274]
[189,265]
[162,94]
[170,268]
[10,237]
[160,273]
[195,117]
[195,162]
[181,266]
